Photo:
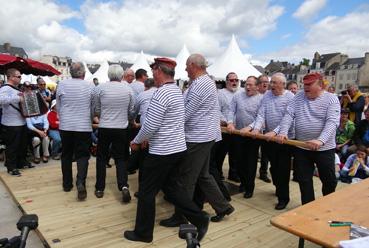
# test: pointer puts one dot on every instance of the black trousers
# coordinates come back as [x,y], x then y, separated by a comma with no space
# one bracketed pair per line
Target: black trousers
[247,157]
[263,170]
[134,156]
[15,139]
[226,145]
[157,174]
[214,171]
[77,144]
[304,166]
[116,138]
[280,168]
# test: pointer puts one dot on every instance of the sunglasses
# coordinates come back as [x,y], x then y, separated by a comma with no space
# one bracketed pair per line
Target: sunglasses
[233,80]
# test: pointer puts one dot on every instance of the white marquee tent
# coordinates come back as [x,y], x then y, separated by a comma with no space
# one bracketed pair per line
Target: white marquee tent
[88,74]
[232,60]
[141,63]
[181,64]
[102,73]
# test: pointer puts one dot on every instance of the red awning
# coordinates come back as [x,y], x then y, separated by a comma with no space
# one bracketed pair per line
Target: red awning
[26,66]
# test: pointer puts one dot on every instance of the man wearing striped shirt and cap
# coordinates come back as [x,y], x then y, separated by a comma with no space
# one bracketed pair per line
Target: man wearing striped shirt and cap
[73,102]
[272,109]
[316,114]
[114,105]
[202,130]
[164,130]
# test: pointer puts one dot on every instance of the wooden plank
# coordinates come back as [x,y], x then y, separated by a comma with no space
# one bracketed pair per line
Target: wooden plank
[101,222]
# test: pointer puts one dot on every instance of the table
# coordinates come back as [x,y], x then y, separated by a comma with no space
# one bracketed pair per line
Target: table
[310,221]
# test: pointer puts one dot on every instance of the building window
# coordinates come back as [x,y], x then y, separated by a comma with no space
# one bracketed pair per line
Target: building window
[354,76]
[340,86]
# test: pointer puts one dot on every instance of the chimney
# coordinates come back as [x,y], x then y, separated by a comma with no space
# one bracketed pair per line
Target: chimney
[7,46]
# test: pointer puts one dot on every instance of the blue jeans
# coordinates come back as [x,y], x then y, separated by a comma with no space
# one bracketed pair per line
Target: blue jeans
[55,136]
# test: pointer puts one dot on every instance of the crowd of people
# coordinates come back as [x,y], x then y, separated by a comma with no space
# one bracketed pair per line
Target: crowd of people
[174,138]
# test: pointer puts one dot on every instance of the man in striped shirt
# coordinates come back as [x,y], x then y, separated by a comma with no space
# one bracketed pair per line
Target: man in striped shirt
[138,85]
[164,130]
[113,104]
[271,111]
[316,115]
[202,130]
[243,111]
[73,101]
[226,145]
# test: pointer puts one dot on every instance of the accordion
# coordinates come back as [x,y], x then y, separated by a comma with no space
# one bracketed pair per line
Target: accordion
[33,104]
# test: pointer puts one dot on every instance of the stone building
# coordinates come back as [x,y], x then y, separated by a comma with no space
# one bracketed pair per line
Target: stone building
[60,63]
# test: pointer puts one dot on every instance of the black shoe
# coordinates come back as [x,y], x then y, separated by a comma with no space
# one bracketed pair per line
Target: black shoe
[241,188]
[131,235]
[14,172]
[30,166]
[135,194]
[265,178]
[126,196]
[202,228]
[281,205]
[248,195]
[131,172]
[67,189]
[82,193]
[220,216]
[99,193]
[234,178]
[173,221]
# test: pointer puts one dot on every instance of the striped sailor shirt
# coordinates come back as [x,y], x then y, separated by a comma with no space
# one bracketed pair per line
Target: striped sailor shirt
[243,109]
[143,101]
[314,119]
[113,103]
[137,87]
[202,121]
[272,110]
[11,117]
[164,123]
[225,97]
[73,102]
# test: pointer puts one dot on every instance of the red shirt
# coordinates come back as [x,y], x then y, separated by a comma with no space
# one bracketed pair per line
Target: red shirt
[53,119]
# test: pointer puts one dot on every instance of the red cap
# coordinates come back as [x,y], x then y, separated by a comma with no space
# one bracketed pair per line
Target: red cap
[312,77]
[168,62]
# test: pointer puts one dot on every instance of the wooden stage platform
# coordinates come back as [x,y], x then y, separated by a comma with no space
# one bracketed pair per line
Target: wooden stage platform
[66,222]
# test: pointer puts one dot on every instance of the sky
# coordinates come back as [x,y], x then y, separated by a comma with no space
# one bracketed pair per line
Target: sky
[94,31]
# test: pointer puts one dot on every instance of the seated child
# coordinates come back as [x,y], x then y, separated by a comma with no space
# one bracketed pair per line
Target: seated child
[356,166]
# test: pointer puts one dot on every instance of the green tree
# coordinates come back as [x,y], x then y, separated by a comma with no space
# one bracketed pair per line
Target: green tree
[305,61]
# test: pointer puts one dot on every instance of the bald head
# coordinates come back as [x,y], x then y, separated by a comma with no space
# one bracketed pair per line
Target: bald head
[129,75]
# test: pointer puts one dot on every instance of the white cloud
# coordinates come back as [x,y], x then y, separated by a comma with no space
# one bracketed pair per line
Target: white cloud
[115,27]
[308,9]
[348,34]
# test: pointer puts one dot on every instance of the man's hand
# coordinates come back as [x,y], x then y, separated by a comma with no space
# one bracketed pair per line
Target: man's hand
[280,138]
[314,145]
[41,133]
[135,147]
[338,147]
[231,127]
[246,129]
[255,132]
[348,97]
[145,144]
[270,135]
